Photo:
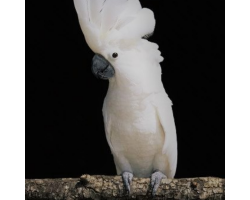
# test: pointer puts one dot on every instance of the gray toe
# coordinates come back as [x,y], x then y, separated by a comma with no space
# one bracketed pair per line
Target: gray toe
[156,181]
[127,180]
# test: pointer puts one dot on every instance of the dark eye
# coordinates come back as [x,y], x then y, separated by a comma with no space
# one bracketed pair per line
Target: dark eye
[115,55]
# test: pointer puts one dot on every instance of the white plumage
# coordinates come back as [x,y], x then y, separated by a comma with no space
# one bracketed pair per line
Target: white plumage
[138,115]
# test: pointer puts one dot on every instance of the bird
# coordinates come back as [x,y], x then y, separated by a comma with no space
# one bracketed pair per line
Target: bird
[138,116]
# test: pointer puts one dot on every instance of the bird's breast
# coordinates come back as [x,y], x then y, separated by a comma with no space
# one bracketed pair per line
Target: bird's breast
[128,116]
[135,132]
[134,126]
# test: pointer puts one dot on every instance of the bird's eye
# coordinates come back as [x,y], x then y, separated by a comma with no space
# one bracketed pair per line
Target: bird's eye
[115,55]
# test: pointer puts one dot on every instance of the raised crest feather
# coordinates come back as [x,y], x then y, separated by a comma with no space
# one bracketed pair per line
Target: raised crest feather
[126,19]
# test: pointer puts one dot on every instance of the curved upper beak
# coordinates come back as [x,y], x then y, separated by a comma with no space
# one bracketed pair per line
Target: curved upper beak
[102,68]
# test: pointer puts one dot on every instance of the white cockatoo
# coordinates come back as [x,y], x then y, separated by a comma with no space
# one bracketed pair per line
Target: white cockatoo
[138,116]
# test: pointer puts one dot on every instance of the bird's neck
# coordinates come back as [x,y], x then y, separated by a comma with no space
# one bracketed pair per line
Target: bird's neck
[135,87]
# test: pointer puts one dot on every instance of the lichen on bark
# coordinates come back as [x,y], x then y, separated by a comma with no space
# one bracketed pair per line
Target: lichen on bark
[111,187]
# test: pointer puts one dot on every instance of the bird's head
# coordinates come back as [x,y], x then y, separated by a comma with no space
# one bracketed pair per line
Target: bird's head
[113,29]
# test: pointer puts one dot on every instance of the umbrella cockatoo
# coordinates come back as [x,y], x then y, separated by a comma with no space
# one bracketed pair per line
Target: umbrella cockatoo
[138,116]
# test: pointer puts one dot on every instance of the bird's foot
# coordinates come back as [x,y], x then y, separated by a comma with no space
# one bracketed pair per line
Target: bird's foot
[127,180]
[156,181]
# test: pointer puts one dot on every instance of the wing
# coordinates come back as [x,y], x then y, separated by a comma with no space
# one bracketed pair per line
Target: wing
[165,113]
[107,124]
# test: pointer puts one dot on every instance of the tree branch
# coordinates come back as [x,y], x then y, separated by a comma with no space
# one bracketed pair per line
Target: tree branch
[111,187]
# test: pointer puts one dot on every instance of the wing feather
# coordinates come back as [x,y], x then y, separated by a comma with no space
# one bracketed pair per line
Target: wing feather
[107,125]
[165,113]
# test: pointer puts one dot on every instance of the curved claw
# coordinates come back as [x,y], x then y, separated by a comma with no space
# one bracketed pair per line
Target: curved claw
[127,180]
[156,181]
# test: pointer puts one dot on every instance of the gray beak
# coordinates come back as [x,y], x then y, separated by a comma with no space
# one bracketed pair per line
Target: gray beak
[101,68]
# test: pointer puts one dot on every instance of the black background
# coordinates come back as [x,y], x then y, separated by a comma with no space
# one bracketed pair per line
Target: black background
[64,125]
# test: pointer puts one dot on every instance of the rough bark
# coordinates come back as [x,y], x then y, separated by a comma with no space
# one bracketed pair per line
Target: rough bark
[111,187]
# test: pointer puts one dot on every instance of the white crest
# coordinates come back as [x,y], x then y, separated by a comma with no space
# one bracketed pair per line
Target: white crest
[103,21]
